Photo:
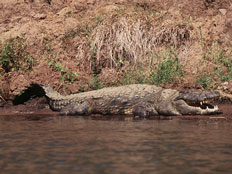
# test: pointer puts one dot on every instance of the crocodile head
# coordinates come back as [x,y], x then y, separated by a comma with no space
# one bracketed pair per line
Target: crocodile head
[173,102]
[196,103]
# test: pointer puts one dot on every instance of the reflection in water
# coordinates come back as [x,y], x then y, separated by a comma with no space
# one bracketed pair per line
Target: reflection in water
[79,145]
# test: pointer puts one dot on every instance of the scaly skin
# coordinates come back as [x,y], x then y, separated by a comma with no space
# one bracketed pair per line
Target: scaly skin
[137,99]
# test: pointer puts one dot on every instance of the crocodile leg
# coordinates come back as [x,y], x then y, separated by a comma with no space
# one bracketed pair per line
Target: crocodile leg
[144,109]
[77,109]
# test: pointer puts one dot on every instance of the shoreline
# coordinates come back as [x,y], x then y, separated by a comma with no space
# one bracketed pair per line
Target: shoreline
[37,109]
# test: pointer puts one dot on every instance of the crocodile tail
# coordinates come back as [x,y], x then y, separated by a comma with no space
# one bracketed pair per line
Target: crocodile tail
[51,93]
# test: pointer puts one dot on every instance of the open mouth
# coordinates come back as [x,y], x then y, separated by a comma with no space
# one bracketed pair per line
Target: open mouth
[202,104]
[201,101]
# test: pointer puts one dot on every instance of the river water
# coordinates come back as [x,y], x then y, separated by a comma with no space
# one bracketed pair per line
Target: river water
[67,145]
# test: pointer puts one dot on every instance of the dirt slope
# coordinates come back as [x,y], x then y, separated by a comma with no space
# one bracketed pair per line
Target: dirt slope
[79,45]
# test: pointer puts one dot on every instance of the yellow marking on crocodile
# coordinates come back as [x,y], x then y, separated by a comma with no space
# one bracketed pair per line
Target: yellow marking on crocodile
[128,111]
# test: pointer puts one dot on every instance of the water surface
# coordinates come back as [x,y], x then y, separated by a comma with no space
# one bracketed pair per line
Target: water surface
[67,145]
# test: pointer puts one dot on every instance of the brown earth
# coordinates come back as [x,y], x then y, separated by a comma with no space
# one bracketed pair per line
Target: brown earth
[102,41]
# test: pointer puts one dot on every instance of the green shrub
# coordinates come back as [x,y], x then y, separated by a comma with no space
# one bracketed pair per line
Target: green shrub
[14,56]
[168,70]
[224,66]
[222,61]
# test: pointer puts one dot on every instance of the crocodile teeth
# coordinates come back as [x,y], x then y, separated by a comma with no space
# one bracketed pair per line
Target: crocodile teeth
[215,108]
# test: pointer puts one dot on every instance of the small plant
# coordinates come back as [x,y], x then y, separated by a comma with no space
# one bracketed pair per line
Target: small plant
[135,76]
[95,83]
[222,60]
[65,75]
[99,21]
[223,74]
[21,92]
[68,14]
[14,56]
[48,47]
[167,70]
[224,66]
[205,80]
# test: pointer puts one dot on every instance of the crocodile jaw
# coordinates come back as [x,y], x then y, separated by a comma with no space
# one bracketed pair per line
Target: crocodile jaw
[214,110]
[196,102]
[186,109]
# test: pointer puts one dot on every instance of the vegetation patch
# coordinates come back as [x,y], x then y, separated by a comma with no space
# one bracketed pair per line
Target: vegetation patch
[14,55]
[66,76]
[224,66]
[206,80]
[167,70]
[137,75]
[221,63]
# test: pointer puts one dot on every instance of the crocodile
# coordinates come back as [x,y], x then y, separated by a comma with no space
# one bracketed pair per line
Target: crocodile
[136,99]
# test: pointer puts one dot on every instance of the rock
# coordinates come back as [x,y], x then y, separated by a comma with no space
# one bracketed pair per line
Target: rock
[225,83]
[79,5]
[223,11]
[40,16]
[90,2]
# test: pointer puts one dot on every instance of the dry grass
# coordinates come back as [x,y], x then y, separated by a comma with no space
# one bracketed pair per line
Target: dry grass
[119,39]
